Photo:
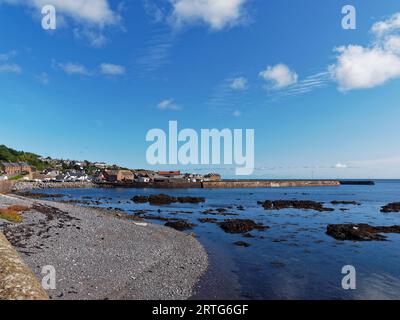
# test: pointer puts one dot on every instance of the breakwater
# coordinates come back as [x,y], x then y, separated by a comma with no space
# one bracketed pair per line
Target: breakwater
[229,184]
[224,184]
[8,186]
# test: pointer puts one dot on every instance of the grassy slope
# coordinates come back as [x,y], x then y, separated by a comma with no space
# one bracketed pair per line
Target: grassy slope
[11,155]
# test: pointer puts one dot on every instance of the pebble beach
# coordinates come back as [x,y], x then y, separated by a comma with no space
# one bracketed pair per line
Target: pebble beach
[104,254]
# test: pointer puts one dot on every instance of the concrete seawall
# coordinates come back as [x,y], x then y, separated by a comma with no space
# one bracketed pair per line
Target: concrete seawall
[17,281]
[229,184]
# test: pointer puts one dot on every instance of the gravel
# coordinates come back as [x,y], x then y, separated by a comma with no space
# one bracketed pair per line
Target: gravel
[100,254]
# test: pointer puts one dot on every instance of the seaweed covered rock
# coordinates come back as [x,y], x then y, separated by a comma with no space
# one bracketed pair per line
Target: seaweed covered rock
[240,226]
[191,199]
[359,232]
[242,244]
[180,225]
[163,199]
[294,204]
[140,199]
[391,207]
[354,203]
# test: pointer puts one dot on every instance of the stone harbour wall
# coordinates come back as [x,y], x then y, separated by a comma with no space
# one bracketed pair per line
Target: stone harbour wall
[17,281]
[227,184]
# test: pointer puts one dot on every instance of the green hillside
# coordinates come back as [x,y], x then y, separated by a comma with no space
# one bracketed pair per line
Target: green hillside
[11,155]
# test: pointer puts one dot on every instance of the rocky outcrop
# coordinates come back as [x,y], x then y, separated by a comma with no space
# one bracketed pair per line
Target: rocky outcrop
[17,281]
[35,195]
[240,226]
[391,207]
[359,232]
[354,203]
[294,204]
[242,244]
[163,199]
[180,225]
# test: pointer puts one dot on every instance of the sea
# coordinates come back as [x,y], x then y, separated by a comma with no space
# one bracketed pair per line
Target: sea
[294,258]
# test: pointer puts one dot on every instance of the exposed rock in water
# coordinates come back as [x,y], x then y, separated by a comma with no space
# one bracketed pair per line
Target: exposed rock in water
[191,199]
[140,212]
[163,199]
[240,226]
[293,204]
[140,199]
[248,235]
[33,195]
[180,225]
[354,203]
[208,220]
[359,232]
[391,207]
[209,211]
[242,244]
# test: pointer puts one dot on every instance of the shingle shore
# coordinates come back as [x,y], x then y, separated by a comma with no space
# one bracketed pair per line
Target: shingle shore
[98,254]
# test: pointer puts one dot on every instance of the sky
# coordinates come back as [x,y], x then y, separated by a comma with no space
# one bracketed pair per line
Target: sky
[323,100]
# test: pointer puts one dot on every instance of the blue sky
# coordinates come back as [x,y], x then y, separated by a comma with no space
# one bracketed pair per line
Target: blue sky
[112,70]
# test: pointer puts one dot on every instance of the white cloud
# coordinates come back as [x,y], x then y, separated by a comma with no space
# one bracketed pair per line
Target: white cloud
[218,14]
[392,44]
[6,66]
[239,83]
[168,104]
[73,68]
[359,67]
[112,69]
[387,26]
[88,17]
[10,68]
[279,75]
[8,55]
[43,78]
[340,166]
[95,38]
[97,12]
[236,113]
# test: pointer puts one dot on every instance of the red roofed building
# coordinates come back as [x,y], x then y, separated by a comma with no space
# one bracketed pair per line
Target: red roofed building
[169,174]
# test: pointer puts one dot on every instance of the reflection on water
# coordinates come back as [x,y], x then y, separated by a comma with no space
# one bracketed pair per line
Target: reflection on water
[294,259]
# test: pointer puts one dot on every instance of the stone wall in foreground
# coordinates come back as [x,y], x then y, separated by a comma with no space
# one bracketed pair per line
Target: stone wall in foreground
[17,281]
[6,187]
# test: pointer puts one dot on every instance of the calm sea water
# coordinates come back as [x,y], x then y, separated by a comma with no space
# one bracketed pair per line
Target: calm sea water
[294,259]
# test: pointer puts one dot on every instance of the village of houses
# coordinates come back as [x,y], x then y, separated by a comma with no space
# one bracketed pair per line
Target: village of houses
[76,171]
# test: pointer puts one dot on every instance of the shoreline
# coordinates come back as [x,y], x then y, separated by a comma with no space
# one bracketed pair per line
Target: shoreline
[223,184]
[105,254]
